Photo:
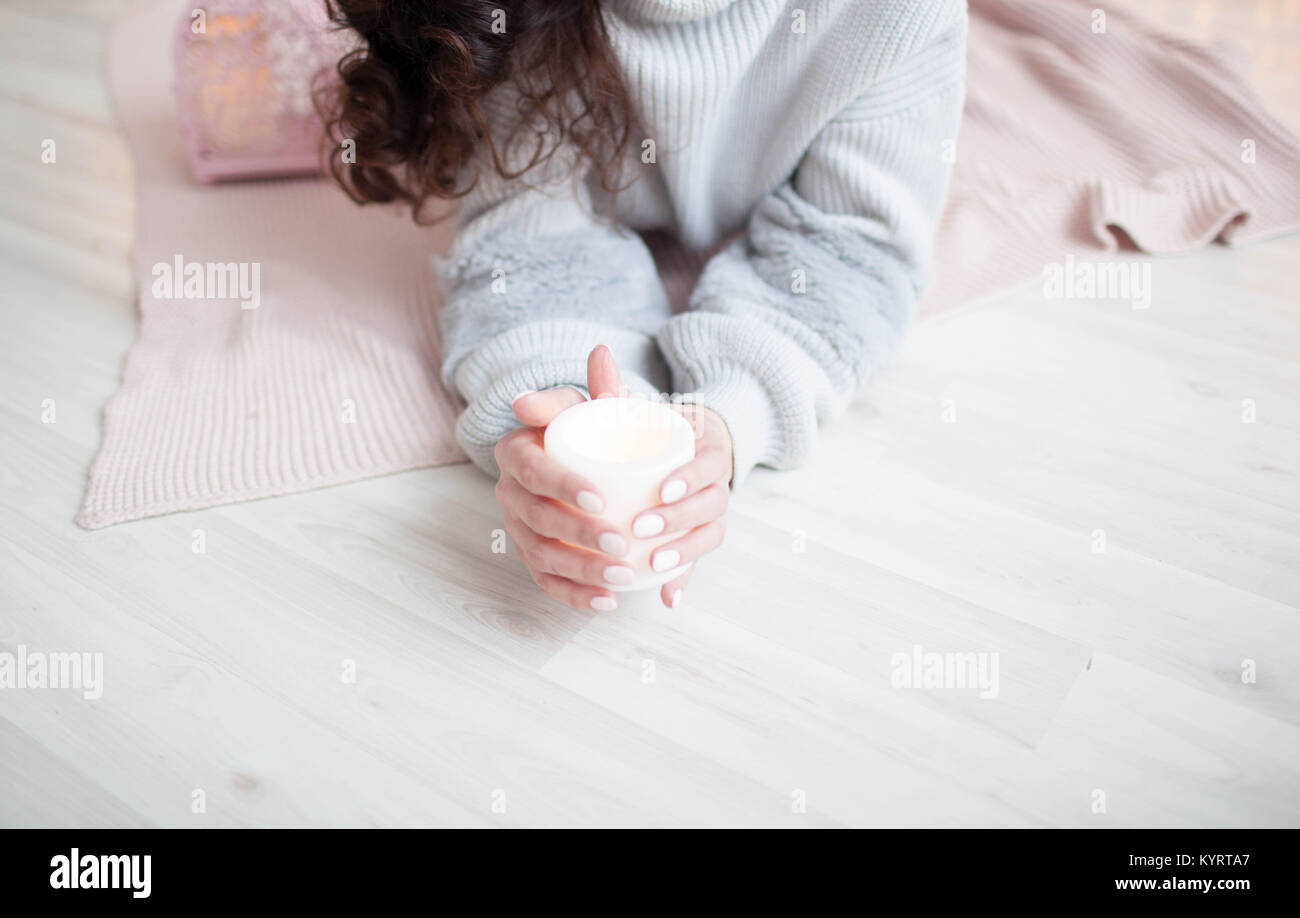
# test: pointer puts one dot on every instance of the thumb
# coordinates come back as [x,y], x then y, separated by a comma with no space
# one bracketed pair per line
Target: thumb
[603,379]
[537,409]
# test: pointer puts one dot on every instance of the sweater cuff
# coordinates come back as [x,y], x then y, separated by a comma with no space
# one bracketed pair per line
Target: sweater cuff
[537,356]
[746,407]
[764,385]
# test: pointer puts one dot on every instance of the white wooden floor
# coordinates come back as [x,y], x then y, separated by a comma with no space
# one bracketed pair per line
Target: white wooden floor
[960,508]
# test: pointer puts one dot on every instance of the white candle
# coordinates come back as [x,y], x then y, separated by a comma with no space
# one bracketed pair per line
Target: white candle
[626,447]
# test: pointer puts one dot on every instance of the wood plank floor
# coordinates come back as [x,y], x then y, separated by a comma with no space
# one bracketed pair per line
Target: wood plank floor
[1104,502]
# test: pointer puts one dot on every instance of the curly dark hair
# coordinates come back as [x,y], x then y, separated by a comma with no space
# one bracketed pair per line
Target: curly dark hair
[410,94]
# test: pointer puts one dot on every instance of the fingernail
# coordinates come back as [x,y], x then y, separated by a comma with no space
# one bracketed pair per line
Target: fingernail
[590,501]
[604,603]
[522,394]
[676,600]
[647,524]
[620,574]
[672,491]
[665,560]
[611,543]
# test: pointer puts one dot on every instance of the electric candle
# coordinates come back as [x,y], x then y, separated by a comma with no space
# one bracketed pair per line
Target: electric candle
[626,447]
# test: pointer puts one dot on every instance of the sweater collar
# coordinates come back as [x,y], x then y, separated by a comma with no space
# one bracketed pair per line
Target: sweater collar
[669,10]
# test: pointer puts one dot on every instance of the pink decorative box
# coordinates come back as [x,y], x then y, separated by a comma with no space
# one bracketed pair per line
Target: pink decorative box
[245,71]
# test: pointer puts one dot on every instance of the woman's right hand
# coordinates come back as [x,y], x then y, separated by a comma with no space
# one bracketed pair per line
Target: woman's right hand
[553,514]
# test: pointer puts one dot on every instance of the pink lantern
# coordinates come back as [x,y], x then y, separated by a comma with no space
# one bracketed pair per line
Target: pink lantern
[245,75]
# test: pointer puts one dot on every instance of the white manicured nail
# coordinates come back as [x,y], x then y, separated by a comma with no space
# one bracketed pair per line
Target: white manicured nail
[522,394]
[620,574]
[665,560]
[590,501]
[672,491]
[611,543]
[647,524]
[604,603]
[676,600]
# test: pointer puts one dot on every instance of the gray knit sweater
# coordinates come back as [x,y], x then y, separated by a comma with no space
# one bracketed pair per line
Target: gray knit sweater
[822,130]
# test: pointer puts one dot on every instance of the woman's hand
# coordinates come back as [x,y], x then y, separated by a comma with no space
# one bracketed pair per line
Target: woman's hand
[695,498]
[553,514]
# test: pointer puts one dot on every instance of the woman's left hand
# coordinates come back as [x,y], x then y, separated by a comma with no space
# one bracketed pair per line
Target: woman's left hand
[695,498]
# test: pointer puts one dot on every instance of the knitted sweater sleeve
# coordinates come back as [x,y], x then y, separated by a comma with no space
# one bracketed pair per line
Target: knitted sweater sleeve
[787,323]
[531,284]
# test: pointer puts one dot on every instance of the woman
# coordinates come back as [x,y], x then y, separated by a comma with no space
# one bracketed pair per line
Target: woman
[819,131]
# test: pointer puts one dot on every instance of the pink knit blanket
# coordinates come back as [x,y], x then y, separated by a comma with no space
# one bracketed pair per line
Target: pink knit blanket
[1073,142]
